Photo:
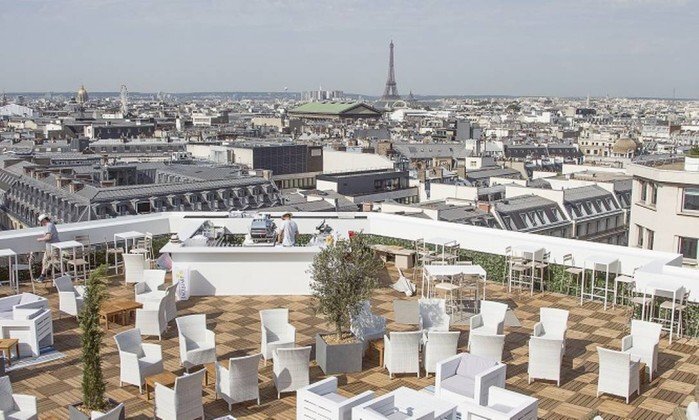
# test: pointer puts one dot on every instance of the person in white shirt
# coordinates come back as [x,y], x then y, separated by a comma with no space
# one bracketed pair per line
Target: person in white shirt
[50,236]
[288,231]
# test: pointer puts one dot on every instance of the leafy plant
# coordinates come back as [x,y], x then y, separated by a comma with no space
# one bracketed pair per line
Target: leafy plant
[93,385]
[694,151]
[343,275]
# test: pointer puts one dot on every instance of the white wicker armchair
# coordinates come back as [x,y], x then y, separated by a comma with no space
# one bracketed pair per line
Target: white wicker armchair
[277,332]
[553,324]
[137,360]
[402,352]
[291,370]
[643,343]
[545,359]
[386,407]
[367,326]
[171,302]
[184,401]
[320,401]
[197,344]
[491,319]
[466,377]
[433,315]
[490,346]
[151,319]
[16,406]
[151,286]
[238,382]
[134,266]
[70,298]
[618,374]
[439,345]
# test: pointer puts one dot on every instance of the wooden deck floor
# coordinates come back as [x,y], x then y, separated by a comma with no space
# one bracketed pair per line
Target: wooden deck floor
[236,323]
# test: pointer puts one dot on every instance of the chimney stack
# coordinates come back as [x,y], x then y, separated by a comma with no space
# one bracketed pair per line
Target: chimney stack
[75,186]
[483,205]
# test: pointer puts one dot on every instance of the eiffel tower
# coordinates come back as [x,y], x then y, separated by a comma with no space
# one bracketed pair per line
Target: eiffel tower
[390,93]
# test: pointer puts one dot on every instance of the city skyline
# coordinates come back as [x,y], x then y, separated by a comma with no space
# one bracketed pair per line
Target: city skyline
[616,48]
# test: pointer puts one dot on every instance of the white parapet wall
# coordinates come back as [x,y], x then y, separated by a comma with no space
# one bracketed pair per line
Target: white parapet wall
[643,263]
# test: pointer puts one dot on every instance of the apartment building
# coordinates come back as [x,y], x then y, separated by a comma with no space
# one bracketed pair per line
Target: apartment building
[371,186]
[89,192]
[665,206]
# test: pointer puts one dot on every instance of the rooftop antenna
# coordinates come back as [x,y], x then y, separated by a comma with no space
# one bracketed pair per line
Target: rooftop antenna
[124,100]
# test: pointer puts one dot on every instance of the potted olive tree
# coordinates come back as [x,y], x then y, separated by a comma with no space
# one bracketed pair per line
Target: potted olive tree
[93,385]
[344,275]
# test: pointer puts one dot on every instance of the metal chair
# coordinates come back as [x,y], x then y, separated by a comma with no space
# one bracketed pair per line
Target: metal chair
[572,271]
[79,263]
[112,250]
[541,266]
[665,314]
[144,246]
[91,251]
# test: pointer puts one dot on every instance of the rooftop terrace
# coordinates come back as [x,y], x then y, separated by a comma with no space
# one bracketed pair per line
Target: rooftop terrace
[235,320]
[236,323]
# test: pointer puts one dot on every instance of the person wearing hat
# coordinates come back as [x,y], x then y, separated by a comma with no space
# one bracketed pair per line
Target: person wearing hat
[288,231]
[50,236]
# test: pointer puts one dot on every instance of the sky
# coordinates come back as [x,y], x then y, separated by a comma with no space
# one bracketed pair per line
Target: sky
[461,47]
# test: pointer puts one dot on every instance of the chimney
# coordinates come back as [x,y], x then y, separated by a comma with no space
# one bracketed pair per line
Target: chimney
[107,183]
[75,186]
[483,205]
[367,207]
[104,160]
[267,174]
[439,172]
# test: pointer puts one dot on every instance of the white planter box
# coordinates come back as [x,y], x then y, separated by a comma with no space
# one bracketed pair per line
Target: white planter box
[691,164]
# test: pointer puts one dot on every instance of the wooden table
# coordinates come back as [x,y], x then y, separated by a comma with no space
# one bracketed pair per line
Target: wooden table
[164,378]
[404,258]
[112,308]
[377,345]
[6,345]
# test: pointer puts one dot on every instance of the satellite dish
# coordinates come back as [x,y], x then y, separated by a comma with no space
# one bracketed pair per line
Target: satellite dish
[285,88]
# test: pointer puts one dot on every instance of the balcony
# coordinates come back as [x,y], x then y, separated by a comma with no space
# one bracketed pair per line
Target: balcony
[235,320]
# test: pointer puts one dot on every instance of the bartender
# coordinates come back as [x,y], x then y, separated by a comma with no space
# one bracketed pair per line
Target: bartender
[288,231]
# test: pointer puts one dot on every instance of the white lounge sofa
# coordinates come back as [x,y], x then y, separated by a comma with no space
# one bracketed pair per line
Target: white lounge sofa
[320,401]
[502,405]
[16,406]
[26,317]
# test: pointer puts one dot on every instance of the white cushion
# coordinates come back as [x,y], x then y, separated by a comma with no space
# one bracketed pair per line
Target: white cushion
[25,314]
[21,415]
[693,411]
[459,385]
[471,366]
[334,397]
[6,402]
